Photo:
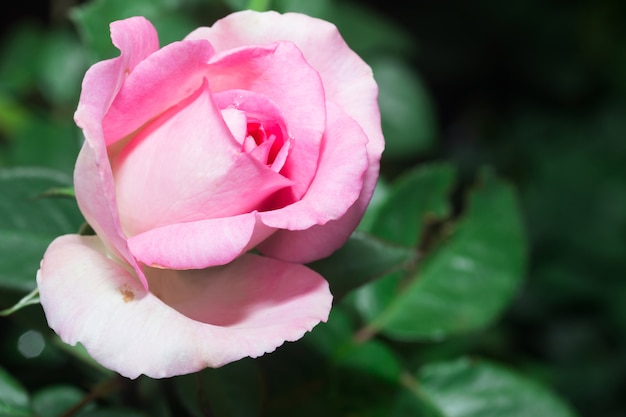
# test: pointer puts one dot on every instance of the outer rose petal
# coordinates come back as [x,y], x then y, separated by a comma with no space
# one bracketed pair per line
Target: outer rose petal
[95,195]
[217,316]
[136,38]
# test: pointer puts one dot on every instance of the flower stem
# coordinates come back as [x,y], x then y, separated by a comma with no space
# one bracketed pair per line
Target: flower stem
[30,299]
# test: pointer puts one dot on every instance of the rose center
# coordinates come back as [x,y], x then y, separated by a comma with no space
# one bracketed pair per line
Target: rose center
[258,125]
[266,143]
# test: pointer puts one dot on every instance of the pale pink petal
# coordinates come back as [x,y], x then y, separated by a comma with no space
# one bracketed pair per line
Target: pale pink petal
[157,83]
[348,80]
[93,180]
[187,166]
[281,74]
[217,316]
[198,244]
[95,195]
[338,182]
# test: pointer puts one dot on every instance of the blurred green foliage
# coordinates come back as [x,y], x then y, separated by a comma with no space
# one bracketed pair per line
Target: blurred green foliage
[488,274]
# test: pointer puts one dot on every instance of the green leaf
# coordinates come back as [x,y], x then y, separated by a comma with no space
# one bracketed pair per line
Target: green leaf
[478,388]
[258,5]
[406,109]
[414,200]
[411,203]
[362,259]
[28,224]
[13,116]
[372,358]
[55,400]
[45,142]
[465,283]
[318,8]
[334,340]
[231,391]
[378,198]
[13,397]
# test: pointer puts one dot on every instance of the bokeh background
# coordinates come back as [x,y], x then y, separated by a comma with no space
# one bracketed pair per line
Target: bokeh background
[533,88]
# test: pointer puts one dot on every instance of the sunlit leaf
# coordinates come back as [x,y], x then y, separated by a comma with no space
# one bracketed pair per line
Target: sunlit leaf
[411,203]
[372,358]
[478,388]
[417,198]
[465,283]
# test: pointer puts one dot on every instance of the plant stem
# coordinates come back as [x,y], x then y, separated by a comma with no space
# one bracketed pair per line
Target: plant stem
[99,391]
[30,299]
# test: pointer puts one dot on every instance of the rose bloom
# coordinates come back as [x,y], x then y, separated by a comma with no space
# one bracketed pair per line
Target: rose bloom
[212,170]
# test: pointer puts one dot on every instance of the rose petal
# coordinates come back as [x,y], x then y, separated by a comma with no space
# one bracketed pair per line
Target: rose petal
[348,82]
[347,79]
[199,244]
[95,195]
[281,74]
[157,83]
[186,166]
[337,184]
[136,38]
[217,316]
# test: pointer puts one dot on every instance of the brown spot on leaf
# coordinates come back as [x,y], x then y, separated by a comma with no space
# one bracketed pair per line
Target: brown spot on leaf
[127,294]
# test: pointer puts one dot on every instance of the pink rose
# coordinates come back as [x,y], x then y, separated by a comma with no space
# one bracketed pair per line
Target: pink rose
[260,132]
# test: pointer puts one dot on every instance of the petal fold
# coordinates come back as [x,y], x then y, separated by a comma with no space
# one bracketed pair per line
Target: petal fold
[157,83]
[199,244]
[202,318]
[187,166]
[136,39]
[338,181]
